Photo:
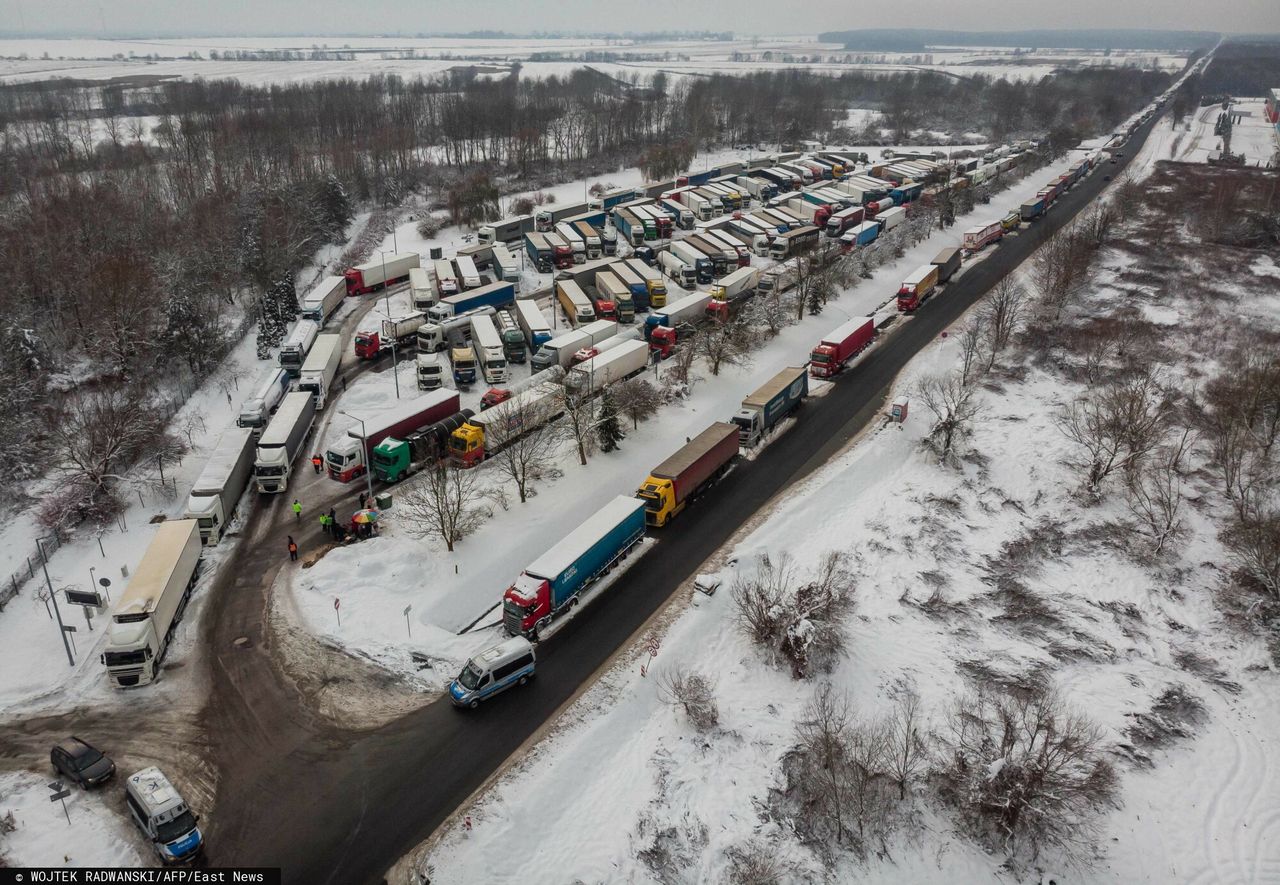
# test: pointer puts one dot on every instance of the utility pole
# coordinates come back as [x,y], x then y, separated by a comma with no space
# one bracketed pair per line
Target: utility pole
[62,630]
[368,474]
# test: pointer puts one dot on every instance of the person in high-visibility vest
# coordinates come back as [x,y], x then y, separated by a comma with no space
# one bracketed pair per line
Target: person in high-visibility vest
[317,461]
[297,511]
[293,549]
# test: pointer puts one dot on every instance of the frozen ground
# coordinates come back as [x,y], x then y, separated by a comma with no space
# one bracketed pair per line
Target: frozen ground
[626,790]
[33,59]
[447,592]
[1253,136]
[97,835]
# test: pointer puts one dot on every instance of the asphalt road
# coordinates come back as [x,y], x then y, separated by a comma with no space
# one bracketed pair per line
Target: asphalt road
[341,808]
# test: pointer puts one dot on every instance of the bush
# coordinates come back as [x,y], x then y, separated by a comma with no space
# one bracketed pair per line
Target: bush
[428,227]
[522,206]
[692,692]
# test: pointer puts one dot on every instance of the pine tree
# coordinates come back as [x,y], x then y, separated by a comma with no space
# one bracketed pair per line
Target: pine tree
[333,206]
[608,428]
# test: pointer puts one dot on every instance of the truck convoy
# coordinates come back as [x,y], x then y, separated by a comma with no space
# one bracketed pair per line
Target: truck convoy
[295,348]
[386,270]
[282,441]
[495,295]
[399,331]
[257,410]
[777,399]
[917,287]
[145,617]
[689,472]
[559,351]
[555,580]
[395,458]
[836,349]
[213,498]
[351,456]
[320,303]
[321,368]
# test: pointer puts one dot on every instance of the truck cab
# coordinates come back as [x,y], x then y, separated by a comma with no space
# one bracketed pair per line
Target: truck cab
[368,344]
[514,345]
[344,460]
[163,816]
[526,605]
[659,496]
[430,371]
[466,444]
[464,364]
[493,396]
[662,340]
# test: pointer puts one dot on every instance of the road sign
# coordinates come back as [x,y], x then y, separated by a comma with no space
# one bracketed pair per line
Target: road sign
[336,602]
[67,628]
[105,582]
[90,598]
[61,794]
[407,609]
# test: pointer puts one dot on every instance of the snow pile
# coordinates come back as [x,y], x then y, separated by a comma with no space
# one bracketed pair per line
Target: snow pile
[97,835]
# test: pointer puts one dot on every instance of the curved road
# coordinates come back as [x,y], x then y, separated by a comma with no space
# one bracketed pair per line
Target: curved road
[341,807]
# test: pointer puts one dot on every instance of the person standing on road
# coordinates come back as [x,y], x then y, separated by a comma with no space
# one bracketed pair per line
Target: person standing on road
[324,523]
[317,461]
[297,511]
[362,500]
[333,523]
[293,549]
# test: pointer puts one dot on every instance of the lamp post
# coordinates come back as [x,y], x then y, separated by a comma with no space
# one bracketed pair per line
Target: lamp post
[368,472]
[386,301]
[62,630]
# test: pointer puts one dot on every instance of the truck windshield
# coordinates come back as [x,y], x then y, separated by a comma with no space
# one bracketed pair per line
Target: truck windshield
[817,357]
[470,676]
[270,471]
[176,828]
[382,458]
[123,658]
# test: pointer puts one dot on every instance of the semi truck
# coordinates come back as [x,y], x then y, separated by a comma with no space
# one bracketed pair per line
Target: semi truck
[506,267]
[744,279]
[257,410]
[559,351]
[321,368]
[324,298]
[486,432]
[976,238]
[282,441]
[702,264]
[376,275]
[395,458]
[1032,209]
[577,243]
[844,220]
[422,292]
[836,349]
[468,275]
[610,366]
[495,295]
[553,582]
[213,498]
[429,370]
[294,350]
[463,360]
[793,242]
[722,258]
[643,282]
[574,302]
[678,270]
[534,325]
[369,344]
[627,224]
[891,219]
[590,238]
[779,397]
[546,219]
[479,254]
[681,214]
[509,230]
[147,614]
[539,252]
[684,476]
[446,279]
[860,235]
[561,251]
[434,337]
[487,345]
[662,327]
[917,287]
[948,262]
[612,291]
[350,457]
[514,347]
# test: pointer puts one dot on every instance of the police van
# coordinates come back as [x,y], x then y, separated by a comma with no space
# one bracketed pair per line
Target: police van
[160,812]
[492,671]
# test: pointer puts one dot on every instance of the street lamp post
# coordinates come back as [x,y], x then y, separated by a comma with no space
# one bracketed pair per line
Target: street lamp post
[62,630]
[386,300]
[368,472]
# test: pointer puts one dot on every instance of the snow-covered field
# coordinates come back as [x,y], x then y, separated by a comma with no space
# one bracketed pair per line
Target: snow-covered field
[1253,136]
[93,830]
[627,790]
[34,59]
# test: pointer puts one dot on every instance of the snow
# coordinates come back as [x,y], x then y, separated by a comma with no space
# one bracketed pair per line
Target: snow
[98,834]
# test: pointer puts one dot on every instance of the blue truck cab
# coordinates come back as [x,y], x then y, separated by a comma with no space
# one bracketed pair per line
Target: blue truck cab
[492,671]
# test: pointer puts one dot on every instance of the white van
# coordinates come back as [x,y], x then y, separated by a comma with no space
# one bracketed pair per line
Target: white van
[494,670]
[158,810]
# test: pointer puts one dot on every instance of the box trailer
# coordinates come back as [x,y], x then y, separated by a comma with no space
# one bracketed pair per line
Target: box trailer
[495,295]
[613,365]
[532,322]
[948,262]
[691,470]
[917,287]
[257,410]
[386,270]
[295,348]
[324,298]
[321,368]
[831,354]
[776,399]
[422,291]
[220,485]
[485,433]
[509,230]
[976,238]
[282,441]
[468,275]
[350,456]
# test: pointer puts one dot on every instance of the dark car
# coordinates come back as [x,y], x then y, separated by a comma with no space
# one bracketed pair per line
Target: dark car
[80,763]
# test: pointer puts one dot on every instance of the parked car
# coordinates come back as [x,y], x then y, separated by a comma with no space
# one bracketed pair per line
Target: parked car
[492,671]
[81,763]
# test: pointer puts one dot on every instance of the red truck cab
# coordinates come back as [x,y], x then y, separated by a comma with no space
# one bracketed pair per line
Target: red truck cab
[493,396]
[355,282]
[563,257]
[368,344]
[663,340]
[531,598]
[820,216]
[584,354]
[606,310]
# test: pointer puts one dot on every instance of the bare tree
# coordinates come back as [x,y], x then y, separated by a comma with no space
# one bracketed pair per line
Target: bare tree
[1026,772]
[1001,315]
[637,399]
[448,502]
[579,412]
[971,340]
[953,400]
[1154,496]
[693,693]
[1254,542]
[906,753]
[1115,426]
[530,457]
[1058,268]
[727,344]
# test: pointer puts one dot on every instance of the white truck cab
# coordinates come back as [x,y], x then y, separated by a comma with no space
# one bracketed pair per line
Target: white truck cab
[163,816]
[430,369]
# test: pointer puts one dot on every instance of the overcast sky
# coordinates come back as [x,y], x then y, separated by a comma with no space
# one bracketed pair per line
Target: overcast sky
[195,17]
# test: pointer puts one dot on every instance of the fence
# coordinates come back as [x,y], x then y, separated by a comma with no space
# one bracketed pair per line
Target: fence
[16,580]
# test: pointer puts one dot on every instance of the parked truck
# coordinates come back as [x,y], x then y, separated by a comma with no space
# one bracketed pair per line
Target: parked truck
[676,268]
[386,270]
[577,243]
[324,298]
[610,366]
[350,457]
[509,230]
[217,491]
[629,226]
[395,458]
[612,291]
[976,238]
[321,368]
[662,327]
[860,235]
[534,325]
[434,337]
[539,252]
[1032,209]
[485,433]
[429,370]
[793,242]
[495,295]
[702,264]
[744,279]
[553,582]
[948,262]
[146,615]
[446,279]
[574,302]
[422,291]
[559,351]
[514,347]
[694,468]
[778,398]
[463,359]
[835,350]
[294,350]
[891,219]
[487,345]
[843,220]
[645,283]
[282,441]
[917,287]
[506,266]
[257,410]
[590,238]
[561,251]
[546,219]
[468,275]
[369,344]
